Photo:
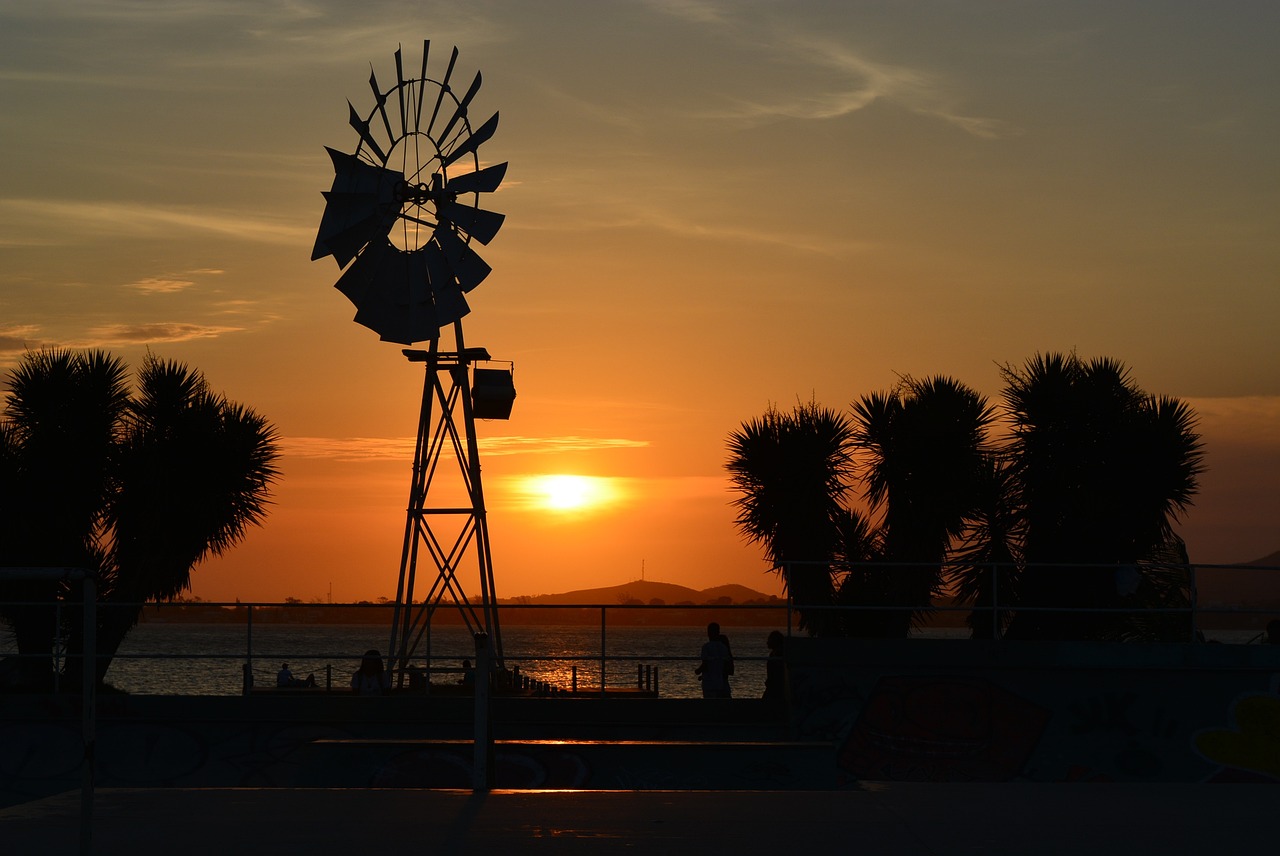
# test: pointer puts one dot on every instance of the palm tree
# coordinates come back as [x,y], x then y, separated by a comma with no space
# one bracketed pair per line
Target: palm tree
[159,483]
[63,414]
[1102,471]
[924,457]
[983,566]
[791,472]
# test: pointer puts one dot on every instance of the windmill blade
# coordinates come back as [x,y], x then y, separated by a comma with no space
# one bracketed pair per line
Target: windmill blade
[362,128]
[438,268]
[404,128]
[356,280]
[423,322]
[395,294]
[352,175]
[464,264]
[481,181]
[346,211]
[417,282]
[480,224]
[361,205]
[460,112]
[450,304]
[422,80]
[444,87]
[380,101]
[346,243]
[389,322]
[382,304]
[470,144]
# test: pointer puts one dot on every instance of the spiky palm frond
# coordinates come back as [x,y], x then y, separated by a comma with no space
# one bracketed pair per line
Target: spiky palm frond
[790,472]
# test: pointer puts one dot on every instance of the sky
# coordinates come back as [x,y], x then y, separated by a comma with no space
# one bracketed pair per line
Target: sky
[712,208]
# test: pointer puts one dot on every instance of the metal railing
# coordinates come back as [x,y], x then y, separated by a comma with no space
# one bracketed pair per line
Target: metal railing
[608,665]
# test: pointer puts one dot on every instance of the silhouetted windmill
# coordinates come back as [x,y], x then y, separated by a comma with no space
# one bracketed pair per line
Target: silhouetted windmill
[403,219]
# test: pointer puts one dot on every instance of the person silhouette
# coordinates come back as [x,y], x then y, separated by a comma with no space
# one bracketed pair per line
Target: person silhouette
[775,671]
[370,679]
[285,678]
[716,665]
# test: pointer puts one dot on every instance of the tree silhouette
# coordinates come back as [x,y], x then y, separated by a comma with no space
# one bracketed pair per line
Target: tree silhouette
[1101,472]
[791,473]
[1075,509]
[923,457]
[138,489]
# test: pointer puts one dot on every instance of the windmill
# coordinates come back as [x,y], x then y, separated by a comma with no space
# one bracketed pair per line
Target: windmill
[403,221]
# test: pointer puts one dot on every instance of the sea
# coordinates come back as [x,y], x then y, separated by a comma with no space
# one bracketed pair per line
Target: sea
[208,659]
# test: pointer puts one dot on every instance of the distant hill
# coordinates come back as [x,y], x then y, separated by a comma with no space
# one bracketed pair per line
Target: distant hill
[646,591]
[1258,589]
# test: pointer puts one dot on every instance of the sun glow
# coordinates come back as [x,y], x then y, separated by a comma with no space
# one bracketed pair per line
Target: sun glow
[568,492]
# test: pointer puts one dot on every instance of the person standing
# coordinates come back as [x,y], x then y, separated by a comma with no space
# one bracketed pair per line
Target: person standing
[775,672]
[716,665]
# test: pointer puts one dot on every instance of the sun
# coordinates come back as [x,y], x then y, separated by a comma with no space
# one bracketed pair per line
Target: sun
[568,492]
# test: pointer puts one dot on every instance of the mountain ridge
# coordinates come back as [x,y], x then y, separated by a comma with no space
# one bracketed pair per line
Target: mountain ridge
[647,591]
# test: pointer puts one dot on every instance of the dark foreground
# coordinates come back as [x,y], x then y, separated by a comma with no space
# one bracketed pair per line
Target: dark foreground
[887,820]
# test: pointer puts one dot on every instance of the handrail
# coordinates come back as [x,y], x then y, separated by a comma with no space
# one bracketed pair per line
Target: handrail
[255,616]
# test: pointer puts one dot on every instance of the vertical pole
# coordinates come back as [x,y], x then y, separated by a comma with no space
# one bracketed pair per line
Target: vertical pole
[995,601]
[248,652]
[402,615]
[603,609]
[89,713]
[59,647]
[786,576]
[482,757]
[1194,597]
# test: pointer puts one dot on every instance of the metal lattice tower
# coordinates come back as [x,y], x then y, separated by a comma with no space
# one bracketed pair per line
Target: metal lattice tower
[443,527]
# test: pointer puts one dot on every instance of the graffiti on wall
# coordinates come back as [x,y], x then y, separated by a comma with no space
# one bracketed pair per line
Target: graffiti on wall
[1248,748]
[941,729]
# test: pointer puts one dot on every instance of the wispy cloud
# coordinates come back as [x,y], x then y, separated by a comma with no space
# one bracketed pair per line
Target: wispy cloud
[544,445]
[401,448]
[170,283]
[19,337]
[694,11]
[160,285]
[1251,419]
[864,82]
[125,219]
[108,335]
[628,213]
[858,79]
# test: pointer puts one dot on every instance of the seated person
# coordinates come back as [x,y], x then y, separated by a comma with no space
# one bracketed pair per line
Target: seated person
[285,678]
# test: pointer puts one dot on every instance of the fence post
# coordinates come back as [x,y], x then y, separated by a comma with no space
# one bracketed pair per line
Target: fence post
[1194,597]
[248,654]
[482,758]
[995,601]
[89,712]
[603,609]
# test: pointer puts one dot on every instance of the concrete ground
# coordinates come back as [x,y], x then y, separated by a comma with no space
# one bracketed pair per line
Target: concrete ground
[884,819]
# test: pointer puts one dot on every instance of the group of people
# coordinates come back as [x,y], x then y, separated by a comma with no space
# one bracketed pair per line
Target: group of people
[369,680]
[714,670]
[716,666]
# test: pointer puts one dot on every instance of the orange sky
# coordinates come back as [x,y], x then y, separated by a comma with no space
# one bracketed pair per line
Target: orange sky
[711,207]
